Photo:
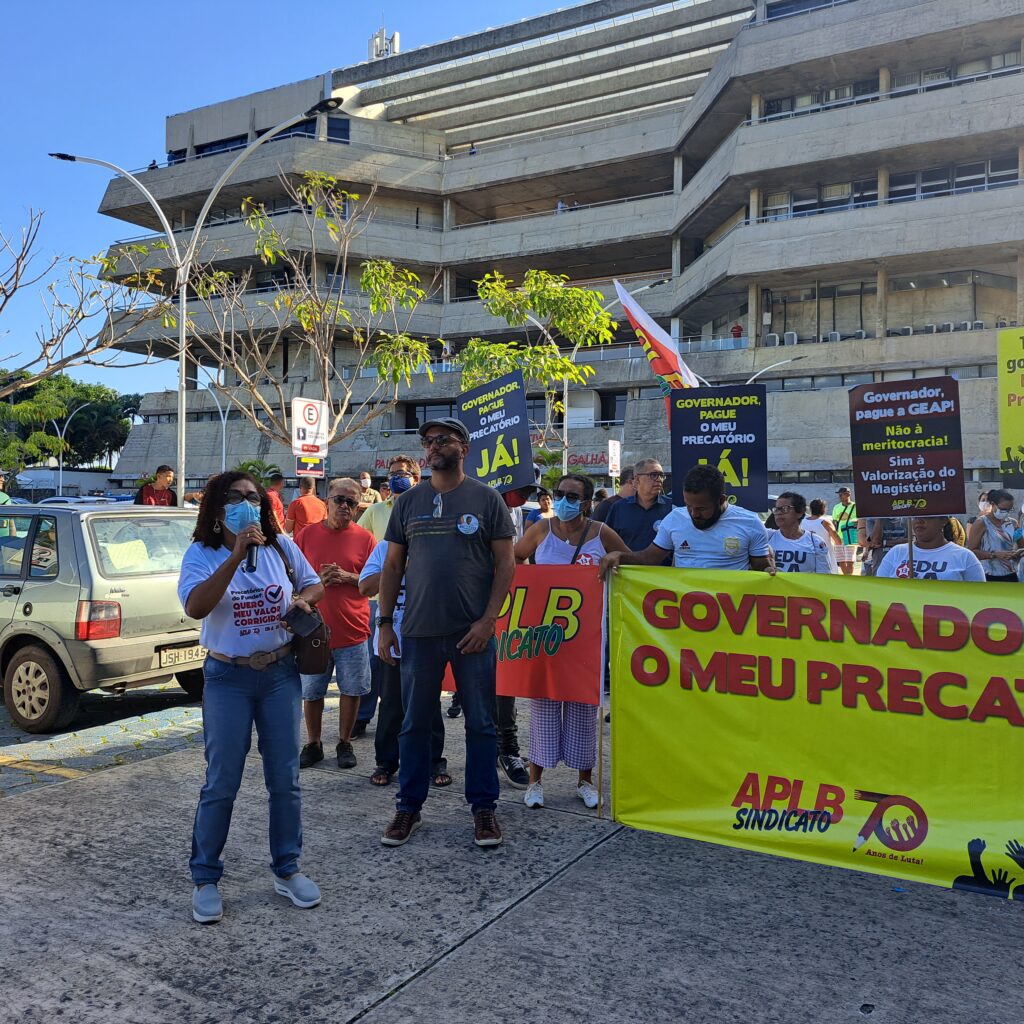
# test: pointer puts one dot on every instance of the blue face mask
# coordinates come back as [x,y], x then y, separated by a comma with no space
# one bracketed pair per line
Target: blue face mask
[238,517]
[566,509]
[399,484]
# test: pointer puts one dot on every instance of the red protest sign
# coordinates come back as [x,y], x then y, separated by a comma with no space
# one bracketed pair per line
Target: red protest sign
[549,635]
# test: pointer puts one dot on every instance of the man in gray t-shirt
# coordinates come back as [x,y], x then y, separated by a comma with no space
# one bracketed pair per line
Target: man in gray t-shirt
[451,538]
[451,564]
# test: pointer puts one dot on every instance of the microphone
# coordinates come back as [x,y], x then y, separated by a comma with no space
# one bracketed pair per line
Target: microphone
[252,554]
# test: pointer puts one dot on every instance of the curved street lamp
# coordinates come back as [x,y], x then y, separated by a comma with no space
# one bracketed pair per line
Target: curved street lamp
[183,261]
[61,431]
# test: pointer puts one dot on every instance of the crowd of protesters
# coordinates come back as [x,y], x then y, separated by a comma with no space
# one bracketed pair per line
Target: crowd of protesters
[410,579]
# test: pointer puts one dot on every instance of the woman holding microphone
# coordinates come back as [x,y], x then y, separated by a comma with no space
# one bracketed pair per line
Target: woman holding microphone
[234,578]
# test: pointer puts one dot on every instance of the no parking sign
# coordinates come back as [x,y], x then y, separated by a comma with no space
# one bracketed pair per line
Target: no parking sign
[309,427]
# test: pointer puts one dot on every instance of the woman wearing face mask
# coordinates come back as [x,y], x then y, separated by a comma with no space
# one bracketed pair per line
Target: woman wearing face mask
[991,538]
[984,506]
[241,595]
[565,730]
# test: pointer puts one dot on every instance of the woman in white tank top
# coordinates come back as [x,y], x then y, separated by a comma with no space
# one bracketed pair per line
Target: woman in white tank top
[566,730]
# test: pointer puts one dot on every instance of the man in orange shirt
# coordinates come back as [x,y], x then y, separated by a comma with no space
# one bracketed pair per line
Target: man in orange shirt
[306,510]
[337,549]
[274,487]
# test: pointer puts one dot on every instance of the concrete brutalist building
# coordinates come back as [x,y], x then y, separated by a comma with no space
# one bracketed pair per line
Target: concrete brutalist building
[832,182]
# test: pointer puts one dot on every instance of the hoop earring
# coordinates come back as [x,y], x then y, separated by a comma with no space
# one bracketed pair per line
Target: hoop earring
[216,526]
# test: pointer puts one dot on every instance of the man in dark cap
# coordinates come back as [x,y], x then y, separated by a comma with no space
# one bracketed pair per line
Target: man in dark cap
[450,537]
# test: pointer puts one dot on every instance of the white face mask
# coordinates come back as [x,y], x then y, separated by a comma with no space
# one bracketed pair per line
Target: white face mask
[1003,513]
[364,482]
[983,507]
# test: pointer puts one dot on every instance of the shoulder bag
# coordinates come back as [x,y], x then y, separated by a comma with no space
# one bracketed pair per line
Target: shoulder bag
[313,652]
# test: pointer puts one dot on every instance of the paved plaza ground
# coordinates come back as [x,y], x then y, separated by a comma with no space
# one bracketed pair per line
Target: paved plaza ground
[572,919]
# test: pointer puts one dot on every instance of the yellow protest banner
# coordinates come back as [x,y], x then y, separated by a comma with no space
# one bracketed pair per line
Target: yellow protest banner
[1011,406]
[865,723]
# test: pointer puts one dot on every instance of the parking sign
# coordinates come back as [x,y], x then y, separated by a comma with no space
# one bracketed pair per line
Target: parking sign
[309,427]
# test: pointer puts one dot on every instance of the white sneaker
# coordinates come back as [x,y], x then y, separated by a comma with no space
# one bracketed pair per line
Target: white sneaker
[586,792]
[534,795]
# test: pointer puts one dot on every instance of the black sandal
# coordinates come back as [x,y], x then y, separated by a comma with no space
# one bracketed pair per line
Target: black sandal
[381,776]
[441,779]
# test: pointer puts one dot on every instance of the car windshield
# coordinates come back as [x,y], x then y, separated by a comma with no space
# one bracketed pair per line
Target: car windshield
[133,545]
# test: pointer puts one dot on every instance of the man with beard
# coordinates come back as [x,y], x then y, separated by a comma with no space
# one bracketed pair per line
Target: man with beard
[451,538]
[707,533]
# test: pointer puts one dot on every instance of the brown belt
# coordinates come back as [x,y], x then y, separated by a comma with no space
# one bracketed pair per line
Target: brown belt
[258,661]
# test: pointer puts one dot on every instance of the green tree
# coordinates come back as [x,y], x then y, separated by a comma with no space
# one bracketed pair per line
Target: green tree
[260,470]
[23,438]
[561,315]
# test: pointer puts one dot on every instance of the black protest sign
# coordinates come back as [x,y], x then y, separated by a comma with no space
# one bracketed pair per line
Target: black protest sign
[496,416]
[725,427]
[907,449]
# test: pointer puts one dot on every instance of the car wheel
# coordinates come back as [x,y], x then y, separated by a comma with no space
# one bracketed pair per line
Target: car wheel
[37,692]
[192,682]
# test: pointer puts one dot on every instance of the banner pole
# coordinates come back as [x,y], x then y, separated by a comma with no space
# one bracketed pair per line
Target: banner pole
[910,548]
[600,706]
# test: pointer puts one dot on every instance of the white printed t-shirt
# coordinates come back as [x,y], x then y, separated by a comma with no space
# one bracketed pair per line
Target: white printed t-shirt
[246,619]
[730,543]
[375,564]
[808,553]
[949,562]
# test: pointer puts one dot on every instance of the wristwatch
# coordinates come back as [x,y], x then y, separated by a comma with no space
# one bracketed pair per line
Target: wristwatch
[384,620]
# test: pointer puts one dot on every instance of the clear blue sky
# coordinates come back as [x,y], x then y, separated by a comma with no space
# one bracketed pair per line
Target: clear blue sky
[99,78]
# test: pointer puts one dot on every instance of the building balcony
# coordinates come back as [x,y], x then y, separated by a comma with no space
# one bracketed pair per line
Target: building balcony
[922,129]
[973,229]
[782,55]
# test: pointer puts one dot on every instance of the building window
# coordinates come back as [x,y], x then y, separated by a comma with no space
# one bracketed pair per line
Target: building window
[338,129]
[222,145]
[776,206]
[418,413]
[1002,170]
[613,407]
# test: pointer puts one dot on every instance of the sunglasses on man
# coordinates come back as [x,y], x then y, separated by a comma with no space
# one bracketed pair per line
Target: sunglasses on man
[438,440]
[340,499]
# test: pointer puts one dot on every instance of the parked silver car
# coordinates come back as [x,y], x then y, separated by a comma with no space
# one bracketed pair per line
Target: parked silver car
[88,600]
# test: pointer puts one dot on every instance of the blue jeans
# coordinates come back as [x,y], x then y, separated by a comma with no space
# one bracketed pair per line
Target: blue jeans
[234,700]
[423,663]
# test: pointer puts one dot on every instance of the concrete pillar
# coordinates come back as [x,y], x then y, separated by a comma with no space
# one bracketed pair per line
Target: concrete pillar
[321,127]
[884,80]
[675,326]
[678,177]
[756,107]
[1020,162]
[754,205]
[761,13]
[448,215]
[446,284]
[677,255]
[1020,288]
[754,315]
[881,302]
[883,185]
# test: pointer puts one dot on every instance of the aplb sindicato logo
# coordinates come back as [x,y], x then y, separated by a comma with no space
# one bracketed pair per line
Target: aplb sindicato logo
[780,804]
